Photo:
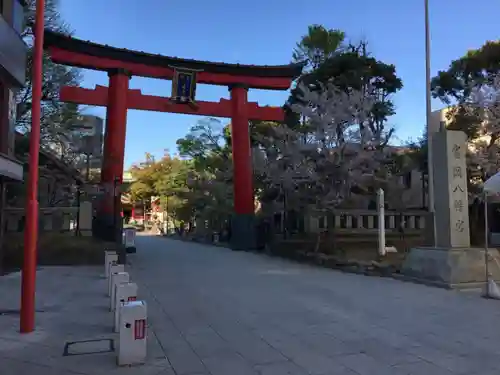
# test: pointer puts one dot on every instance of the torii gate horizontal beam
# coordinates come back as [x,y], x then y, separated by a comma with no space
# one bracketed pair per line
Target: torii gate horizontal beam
[136,100]
[82,60]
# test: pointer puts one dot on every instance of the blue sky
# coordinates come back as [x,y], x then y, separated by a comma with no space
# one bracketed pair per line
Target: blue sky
[265,32]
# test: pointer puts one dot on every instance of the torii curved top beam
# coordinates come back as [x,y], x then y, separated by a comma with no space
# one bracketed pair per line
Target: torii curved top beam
[71,51]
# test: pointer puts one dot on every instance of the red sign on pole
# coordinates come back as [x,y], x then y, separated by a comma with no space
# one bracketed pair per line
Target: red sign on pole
[140,329]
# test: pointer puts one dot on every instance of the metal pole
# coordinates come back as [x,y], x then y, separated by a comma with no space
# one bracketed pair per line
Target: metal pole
[27,322]
[87,171]
[166,230]
[430,167]
[486,250]
[78,204]
[381,222]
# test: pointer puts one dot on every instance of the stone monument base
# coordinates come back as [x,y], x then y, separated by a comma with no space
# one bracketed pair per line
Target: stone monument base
[460,268]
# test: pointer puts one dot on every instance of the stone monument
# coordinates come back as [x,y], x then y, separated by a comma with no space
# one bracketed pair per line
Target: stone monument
[85,218]
[452,263]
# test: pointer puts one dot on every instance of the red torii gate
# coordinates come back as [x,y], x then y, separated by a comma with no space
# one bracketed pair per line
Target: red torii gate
[122,64]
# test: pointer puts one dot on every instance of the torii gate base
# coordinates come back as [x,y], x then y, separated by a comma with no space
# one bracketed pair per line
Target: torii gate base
[118,98]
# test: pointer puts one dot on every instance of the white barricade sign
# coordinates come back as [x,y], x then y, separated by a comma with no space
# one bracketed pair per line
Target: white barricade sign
[109,257]
[129,237]
[114,268]
[132,333]
[116,279]
[126,292]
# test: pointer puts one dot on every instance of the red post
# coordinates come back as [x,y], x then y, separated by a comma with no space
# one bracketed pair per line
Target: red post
[242,155]
[27,323]
[114,153]
[116,124]
[242,228]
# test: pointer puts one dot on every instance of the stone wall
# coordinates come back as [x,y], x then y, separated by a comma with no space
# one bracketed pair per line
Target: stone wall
[60,219]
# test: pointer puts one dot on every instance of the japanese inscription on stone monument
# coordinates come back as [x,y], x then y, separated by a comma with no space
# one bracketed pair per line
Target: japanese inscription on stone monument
[459,215]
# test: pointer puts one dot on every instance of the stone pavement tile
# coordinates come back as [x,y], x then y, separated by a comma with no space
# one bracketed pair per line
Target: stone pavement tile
[168,340]
[420,368]
[317,364]
[155,353]
[229,364]
[167,371]
[56,332]
[9,324]
[328,344]
[257,351]
[12,335]
[380,351]
[164,326]
[101,363]
[443,342]
[208,343]
[9,366]
[184,360]
[189,324]
[363,364]
[390,337]
[456,363]
[30,352]
[280,368]
[250,344]
[88,363]
[487,358]
[232,332]
[344,331]
[105,363]
[288,345]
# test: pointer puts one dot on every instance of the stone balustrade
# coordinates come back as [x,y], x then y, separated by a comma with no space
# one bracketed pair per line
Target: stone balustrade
[366,221]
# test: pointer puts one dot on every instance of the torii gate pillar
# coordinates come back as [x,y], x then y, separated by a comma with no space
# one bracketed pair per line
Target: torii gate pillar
[108,218]
[242,223]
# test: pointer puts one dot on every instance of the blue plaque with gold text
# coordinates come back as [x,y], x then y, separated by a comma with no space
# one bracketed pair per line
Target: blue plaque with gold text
[184,86]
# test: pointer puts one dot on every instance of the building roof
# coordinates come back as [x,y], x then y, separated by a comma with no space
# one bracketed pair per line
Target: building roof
[68,43]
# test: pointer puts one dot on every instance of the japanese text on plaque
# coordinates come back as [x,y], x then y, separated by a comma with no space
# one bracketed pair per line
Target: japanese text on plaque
[458,188]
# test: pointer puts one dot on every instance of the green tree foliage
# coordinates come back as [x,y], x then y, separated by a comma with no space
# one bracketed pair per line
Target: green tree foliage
[207,144]
[318,45]
[455,85]
[474,73]
[209,182]
[165,178]
[349,67]
[196,185]
[57,117]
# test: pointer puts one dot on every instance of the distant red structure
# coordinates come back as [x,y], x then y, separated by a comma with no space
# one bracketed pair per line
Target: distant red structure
[122,64]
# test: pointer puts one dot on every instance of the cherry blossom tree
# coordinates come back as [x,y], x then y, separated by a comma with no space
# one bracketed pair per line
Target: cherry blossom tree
[484,151]
[332,159]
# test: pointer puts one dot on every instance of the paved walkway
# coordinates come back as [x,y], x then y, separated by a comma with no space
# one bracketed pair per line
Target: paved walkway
[224,312]
[214,311]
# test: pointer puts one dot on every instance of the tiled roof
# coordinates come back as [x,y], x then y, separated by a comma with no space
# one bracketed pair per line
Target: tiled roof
[69,43]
